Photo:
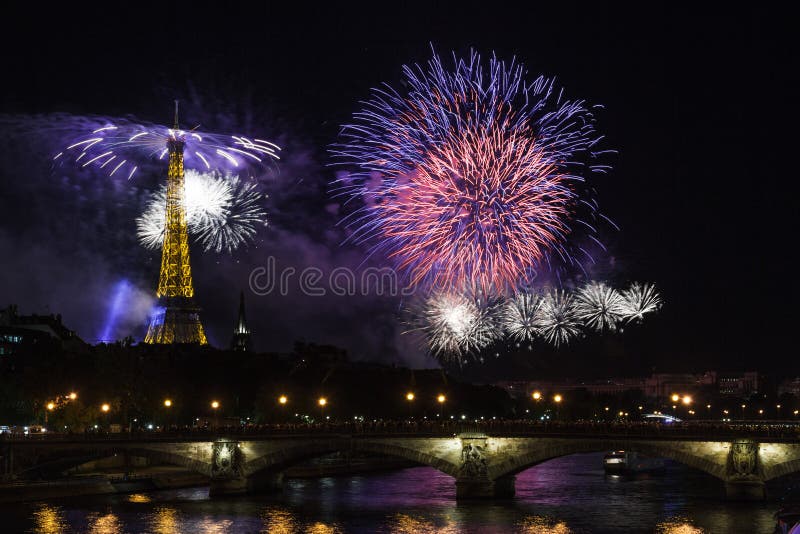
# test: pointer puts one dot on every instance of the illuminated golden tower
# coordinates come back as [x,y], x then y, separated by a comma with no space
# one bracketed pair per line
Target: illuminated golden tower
[177,318]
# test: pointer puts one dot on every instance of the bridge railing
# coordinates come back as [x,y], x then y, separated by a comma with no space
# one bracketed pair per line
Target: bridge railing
[432,428]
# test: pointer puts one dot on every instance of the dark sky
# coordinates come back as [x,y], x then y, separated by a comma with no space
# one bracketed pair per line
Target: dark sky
[698,105]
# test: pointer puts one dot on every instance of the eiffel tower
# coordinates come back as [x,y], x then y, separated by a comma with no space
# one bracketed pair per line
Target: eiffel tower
[176,318]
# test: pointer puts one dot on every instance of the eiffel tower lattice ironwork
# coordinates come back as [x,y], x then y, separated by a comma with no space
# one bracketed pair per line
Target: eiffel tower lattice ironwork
[177,318]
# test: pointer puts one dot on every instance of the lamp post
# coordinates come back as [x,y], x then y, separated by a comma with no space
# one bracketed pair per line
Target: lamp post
[410,399]
[215,407]
[322,402]
[440,400]
[167,406]
[105,408]
[557,398]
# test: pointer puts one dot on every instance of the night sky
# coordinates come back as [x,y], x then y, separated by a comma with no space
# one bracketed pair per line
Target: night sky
[697,104]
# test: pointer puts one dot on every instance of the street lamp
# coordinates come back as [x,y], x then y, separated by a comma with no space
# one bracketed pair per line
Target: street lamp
[441,398]
[557,398]
[105,407]
[675,397]
[51,406]
[167,403]
[537,396]
[322,401]
[73,396]
[410,396]
[687,400]
[283,399]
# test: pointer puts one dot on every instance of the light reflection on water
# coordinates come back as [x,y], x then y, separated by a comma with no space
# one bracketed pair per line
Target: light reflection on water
[48,519]
[564,496]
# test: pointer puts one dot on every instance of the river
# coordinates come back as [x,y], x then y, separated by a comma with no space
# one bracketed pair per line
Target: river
[565,495]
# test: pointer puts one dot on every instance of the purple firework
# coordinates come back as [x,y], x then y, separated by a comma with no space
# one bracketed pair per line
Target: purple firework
[470,176]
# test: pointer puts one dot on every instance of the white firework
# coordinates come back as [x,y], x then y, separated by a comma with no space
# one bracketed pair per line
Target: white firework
[222,212]
[599,306]
[239,224]
[559,324]
[523,317]
[639,299]
[457,324]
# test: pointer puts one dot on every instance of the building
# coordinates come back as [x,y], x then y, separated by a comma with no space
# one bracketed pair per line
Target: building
[790,386]
[18,332]
[740,384]
[613,386]
[662,385]
[241,333]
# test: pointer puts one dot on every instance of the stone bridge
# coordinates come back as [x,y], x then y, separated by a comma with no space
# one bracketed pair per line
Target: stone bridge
[483,465]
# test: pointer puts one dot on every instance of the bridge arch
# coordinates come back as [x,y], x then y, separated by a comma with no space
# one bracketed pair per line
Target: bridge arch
[533,456]
[284,458]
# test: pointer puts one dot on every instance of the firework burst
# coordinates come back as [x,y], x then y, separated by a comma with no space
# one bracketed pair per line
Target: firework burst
[469,177]
[640,299]
[118,147]
[559,323]
[222,212]
[458,325]
[600,307]
[524,316]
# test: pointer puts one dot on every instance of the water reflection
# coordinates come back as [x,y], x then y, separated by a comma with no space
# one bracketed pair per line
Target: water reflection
[165,520]
[406,524]
[278,521]
[211,526]
[563,496]
[104,524]
[677,527]
[322,528]
[49,519]
[543,525]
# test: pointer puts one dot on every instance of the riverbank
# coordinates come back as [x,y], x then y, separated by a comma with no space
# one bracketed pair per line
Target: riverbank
[101,484]
[111,481]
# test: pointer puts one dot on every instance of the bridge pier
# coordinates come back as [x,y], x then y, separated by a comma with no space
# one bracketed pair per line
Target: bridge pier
[472,481]
[227,474]
[745,481]
[485,488]
[745,490]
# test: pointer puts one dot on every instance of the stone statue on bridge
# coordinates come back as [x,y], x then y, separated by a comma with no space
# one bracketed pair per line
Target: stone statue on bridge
[473,461]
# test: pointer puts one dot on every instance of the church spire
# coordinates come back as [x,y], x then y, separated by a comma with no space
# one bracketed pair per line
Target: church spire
[241,333]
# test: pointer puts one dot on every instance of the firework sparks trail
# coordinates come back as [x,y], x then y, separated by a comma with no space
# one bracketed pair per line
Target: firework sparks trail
[119,146]
[222,212]
[469,177]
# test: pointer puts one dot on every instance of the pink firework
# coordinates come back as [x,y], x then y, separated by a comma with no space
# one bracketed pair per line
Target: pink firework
[470,178]
[478,211]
